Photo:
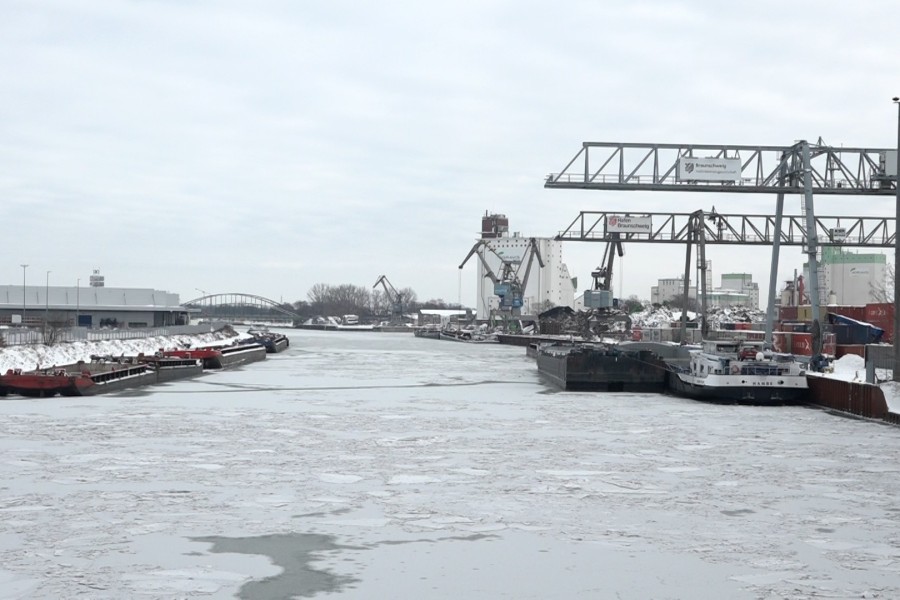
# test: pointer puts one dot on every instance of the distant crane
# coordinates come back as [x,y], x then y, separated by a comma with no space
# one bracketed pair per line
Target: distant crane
[395,297]
[509,285]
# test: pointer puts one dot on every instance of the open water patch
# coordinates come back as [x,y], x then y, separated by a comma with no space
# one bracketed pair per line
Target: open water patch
[293,552]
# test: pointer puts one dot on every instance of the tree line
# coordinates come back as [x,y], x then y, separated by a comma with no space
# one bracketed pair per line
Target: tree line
[324,299]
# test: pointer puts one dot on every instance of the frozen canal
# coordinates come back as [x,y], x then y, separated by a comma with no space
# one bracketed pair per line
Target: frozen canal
[365,465]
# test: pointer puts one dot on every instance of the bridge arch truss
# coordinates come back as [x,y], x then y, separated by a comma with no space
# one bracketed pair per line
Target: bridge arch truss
[232,305]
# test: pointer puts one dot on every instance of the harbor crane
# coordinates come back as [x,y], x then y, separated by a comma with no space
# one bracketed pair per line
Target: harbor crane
[802,168]
[601,294]
[510,283]
[395,297]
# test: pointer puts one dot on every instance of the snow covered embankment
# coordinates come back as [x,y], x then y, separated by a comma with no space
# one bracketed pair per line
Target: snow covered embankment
[35,356]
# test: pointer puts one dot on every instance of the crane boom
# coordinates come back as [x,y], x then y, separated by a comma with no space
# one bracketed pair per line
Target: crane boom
[489,272]
[534,251]
[393,295]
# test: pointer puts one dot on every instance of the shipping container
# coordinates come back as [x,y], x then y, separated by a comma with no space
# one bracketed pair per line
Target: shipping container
[857,313]
[879,311]
[841,333]
[804,313]
[781,341]
[801,343]
[882,315]
[787,313]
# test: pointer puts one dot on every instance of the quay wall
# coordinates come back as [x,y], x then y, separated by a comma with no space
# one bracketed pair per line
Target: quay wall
[851,397]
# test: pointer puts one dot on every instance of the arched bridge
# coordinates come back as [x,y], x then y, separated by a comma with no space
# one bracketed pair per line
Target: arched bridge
[238,306]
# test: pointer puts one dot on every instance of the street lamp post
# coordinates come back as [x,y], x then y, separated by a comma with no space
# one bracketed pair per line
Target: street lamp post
[45,328]
[77,299]
[47,299]
[896,340]
[23,293]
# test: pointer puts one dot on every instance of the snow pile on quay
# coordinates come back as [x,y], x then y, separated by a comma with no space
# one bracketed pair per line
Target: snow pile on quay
[35,356]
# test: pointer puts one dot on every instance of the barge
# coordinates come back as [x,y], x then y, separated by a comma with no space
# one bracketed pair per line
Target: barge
[222,357]
[602,367]
[80,379]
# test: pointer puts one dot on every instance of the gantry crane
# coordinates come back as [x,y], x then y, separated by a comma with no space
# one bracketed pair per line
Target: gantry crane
[801,168]
[510,284]
[395,297]
[600,296]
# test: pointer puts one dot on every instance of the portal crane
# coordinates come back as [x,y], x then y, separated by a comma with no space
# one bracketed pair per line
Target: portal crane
[395,297]
[509,285]
[601,294]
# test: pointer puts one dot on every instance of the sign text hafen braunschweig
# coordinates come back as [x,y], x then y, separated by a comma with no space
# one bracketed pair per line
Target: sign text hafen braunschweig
[709,169]
[626,224]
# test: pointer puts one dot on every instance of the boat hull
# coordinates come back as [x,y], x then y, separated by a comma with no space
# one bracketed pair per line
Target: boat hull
[602,368]
[233,356]
[78,380]
[742,390]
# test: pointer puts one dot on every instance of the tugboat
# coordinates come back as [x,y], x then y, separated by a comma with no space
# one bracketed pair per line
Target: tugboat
[739,371]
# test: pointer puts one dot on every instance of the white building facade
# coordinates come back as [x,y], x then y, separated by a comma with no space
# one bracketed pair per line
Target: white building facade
[670,289]
[550,285]
[849,278]
[738,289]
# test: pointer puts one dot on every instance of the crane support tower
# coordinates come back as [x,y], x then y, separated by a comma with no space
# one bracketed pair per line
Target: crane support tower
[801,168]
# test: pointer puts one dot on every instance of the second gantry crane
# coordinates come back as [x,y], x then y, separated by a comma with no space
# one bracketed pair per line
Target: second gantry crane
[510,283]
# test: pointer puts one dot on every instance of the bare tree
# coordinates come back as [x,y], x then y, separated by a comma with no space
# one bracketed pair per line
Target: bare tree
[883,291]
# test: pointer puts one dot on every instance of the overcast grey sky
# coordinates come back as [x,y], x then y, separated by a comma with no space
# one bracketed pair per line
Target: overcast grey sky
[263,147]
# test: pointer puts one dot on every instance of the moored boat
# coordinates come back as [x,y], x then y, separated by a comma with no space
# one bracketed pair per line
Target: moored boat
[80,379]
[602,367]
[467,335]
[738,371]
[427,331]
[273,342]
[223,357]
[210,358]
[170,368]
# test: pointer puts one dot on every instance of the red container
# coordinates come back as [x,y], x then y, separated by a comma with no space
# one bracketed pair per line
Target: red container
[781,341]
[882,315]
[636,334]
[857,313]
[879,311]
[787,313]
[801,343]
